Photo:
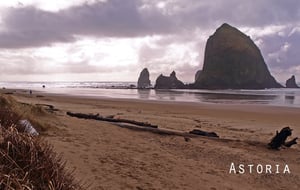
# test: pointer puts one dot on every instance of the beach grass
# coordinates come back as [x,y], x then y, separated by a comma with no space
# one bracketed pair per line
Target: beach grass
[27,161]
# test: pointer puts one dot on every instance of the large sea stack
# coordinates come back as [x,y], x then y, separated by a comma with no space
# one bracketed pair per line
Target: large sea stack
[144,80]
[291,83]
[233,61]
[171,82]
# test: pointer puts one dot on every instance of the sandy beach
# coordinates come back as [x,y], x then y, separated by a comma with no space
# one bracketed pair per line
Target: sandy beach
[105,156]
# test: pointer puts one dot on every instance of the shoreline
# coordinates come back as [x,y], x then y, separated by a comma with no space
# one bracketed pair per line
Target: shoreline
[199,103]
[278,98]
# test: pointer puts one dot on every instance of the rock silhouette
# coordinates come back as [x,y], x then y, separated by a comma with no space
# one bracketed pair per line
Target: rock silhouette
[171,82]
[291,83]
[144,81]
[233,61]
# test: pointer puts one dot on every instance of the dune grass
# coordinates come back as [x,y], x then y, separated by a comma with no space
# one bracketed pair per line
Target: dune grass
[26,161]
[24,111]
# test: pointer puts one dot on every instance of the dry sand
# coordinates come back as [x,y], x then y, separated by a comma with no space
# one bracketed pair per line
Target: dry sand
[109,157]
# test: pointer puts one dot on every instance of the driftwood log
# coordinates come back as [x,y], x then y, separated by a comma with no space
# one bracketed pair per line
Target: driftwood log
[280,139]
[110,119]
[204,133]
[141,126]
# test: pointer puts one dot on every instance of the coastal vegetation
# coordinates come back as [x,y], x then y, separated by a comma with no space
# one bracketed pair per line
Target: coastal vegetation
[27,161]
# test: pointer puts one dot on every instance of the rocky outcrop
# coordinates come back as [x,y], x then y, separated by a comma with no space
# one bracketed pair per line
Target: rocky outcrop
[171,82]
[197,75]
[144,79]
[291,83]
[233,61]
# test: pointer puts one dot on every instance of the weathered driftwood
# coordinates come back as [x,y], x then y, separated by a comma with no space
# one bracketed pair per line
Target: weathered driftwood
[110,119]
[280,139]
[49,108]
[204,133]
[141,126]
[155,130]
[166,131]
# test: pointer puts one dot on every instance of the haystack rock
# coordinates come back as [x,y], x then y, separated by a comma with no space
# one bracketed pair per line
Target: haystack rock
[291,83]
[144,81]
[171,82]
[233,61]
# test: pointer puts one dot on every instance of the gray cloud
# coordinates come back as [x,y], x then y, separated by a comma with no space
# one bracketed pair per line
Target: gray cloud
[281,49]
[246,13]
[155,57]
[30,26]
[181,22]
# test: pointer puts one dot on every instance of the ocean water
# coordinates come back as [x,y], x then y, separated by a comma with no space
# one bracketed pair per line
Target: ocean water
[277,97]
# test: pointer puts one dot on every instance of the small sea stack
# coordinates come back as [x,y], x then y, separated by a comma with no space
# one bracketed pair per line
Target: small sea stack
[291,83]
[168,82]
[144,79]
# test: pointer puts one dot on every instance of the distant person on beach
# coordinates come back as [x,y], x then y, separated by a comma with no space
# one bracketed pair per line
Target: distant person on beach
[30,92]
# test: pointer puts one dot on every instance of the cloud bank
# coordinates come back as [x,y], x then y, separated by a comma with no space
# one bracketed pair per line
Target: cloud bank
[167,35]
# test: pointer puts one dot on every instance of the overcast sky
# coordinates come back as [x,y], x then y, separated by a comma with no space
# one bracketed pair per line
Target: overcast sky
[113,40]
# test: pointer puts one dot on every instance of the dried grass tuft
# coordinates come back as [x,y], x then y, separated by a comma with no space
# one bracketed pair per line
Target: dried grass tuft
[29,162]
[24,111]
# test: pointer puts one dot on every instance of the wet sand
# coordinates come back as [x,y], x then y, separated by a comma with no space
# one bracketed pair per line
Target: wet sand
[109,157]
